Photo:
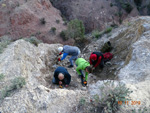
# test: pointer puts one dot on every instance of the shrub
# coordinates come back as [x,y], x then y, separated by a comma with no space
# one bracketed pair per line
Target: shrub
[4,41]
[108,30]
[37,33]
[96,34]
[111,95]
[16,84]
[129,24]
[4,93]
[114,25]
[63,35]
[53,30]
[43,21]
[148,9]
[1,76]
[127,7]
[111,4]
[138,2]
[33,40]
[65,20]
[75,29]
[57,21]
[82,101]
[107,101]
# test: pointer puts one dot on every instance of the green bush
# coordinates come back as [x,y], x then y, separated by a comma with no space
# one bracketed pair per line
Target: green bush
[75,29]
[1,76]
[43,21]
[107,101]
[57,21]
[96,34]
[138,2]
[82,101]
[108,30]
[111,95]
[33,40]
[127,7]
[4,41]
[5,93]
[148,9]
[53,30]
[63,35]
[111,4]
[16,84]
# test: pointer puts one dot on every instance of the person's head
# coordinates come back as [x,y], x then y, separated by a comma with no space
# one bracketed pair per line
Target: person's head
[60,49]
[61,76]
[93,57]
[88,69]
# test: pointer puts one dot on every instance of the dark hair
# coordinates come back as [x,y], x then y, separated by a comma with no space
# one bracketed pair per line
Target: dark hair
[89,68]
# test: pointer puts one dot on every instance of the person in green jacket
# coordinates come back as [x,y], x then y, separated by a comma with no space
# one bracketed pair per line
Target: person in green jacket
[82,64]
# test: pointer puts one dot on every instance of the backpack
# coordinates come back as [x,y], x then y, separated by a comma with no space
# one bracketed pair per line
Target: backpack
[107,56]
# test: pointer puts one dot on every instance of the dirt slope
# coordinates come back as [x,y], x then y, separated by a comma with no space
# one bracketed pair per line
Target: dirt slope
[22,18]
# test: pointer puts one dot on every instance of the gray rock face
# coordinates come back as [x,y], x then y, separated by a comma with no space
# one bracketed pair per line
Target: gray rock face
[138,68]
[131,60]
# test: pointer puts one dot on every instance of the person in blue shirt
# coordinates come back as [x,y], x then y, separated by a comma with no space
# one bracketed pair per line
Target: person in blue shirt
[73,51]
[61,76]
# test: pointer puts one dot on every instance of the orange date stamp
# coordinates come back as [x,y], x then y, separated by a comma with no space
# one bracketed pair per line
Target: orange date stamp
[129,102]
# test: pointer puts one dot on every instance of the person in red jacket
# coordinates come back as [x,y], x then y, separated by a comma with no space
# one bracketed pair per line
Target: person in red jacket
[98,59]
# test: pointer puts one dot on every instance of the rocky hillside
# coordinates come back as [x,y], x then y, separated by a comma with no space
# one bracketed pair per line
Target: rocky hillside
[98,14]
[26,18]
[130,65]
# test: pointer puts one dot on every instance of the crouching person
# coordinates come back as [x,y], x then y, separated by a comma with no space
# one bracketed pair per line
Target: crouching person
[72,51]
[99,59]
[83,65]
[61,77]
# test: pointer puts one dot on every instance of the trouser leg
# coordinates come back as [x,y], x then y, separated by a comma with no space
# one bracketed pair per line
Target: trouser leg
[54,81]
[65,81]
[72,58]
[82,77]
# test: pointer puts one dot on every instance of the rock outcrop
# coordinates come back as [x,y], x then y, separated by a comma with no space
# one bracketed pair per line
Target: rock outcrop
[34,64]
[130,64]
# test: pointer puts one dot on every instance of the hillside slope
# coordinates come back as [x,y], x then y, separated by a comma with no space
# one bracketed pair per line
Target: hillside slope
[130,65]
[26,18]
[98,14]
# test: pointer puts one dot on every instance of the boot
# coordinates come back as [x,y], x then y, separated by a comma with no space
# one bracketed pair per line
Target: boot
[70,66]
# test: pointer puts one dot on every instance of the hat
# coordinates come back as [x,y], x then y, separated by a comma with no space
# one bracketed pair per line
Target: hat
[93,56]
[60,49]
